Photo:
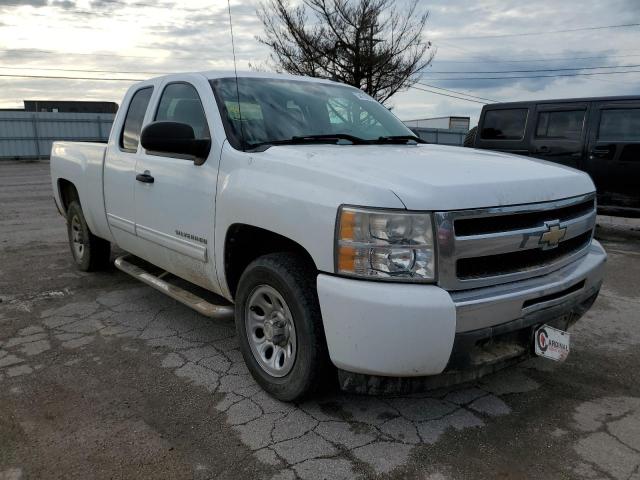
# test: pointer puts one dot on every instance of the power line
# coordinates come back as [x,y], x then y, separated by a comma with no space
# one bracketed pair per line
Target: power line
[531,60]
[540,69]
[548,32]
[535,76]
[75,78]
[53,52]
[447,95]
[68,9]
[164,73]
[48,77]
[459,93]
[83,70]
[95,12]
[36,51]
[184,54]
[495,59]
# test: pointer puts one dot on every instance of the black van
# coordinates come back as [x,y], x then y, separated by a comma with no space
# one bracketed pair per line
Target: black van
[600,136]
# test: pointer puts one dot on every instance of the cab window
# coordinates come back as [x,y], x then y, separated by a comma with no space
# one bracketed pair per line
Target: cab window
[620,124]
[560,124]
[180,103]
[130,135]
[506,124]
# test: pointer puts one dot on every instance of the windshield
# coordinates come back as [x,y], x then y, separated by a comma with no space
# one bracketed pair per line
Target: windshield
[277,110]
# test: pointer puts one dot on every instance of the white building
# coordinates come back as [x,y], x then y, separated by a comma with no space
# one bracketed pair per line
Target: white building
[458,124]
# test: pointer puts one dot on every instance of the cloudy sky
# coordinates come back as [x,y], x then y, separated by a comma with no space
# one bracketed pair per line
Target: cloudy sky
[131,39]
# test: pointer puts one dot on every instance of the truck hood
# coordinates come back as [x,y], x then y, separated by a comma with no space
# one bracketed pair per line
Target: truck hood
[437,177]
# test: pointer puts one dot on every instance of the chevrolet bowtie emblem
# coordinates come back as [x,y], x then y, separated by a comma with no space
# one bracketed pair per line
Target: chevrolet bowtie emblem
[551,238]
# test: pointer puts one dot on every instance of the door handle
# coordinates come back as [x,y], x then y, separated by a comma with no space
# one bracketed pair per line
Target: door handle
[600,151]
[145,177]
[543,149]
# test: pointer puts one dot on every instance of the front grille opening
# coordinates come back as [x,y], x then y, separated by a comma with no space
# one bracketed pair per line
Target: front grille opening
[503,223]
[505,263]
[554,296]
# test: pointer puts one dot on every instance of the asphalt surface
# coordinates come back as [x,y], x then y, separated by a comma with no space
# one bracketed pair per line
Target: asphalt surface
[102,377]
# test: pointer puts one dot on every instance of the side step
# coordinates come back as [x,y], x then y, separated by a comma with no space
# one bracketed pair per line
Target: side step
[195,302]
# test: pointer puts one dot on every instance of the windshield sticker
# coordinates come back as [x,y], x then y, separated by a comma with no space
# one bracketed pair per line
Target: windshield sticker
[245,110]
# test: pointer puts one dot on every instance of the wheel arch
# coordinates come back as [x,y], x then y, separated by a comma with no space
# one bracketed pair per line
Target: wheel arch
[68,193]
[244,243]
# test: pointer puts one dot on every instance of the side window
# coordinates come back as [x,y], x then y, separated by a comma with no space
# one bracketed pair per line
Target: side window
[180,103]
[560,124]
[620,124]
[130,135]
[508,124]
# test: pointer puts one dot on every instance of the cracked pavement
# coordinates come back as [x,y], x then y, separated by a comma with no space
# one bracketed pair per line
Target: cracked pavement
[104,377]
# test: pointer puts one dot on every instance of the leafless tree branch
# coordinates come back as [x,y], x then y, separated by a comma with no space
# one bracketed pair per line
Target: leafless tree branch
[370,44]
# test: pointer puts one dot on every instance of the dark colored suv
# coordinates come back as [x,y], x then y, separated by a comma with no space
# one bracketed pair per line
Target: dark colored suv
[600,136]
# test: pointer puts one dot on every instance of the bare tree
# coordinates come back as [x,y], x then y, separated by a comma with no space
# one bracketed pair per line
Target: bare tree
[374,45]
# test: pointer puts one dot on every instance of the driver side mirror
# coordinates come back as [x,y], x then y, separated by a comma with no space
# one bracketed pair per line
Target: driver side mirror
[177,139]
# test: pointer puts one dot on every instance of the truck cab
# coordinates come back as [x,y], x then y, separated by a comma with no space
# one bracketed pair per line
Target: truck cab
[338,240]
[600,136]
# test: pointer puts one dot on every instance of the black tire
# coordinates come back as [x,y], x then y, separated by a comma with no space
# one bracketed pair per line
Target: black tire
[89,252]
[295,280]
[470,138]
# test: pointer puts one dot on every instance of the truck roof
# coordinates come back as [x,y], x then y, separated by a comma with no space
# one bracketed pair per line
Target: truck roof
[563,100]
[214,74]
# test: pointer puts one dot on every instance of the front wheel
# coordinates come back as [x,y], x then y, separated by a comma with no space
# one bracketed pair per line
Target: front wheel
[279,326]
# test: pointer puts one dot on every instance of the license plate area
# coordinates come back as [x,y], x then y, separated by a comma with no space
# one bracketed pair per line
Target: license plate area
[551,343]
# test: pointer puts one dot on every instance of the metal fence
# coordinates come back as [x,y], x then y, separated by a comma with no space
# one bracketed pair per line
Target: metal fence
[27,135]
[441,136]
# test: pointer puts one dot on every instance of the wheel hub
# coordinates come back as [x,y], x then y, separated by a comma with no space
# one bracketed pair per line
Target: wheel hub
[270,330]
[77,237]
[275,329]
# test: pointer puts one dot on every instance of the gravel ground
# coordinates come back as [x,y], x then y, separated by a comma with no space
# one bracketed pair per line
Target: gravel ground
[102,377]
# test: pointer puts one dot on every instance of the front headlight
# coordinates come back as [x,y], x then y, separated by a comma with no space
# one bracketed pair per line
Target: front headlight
[384,244]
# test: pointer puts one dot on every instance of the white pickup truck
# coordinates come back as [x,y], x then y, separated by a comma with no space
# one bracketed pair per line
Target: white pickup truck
[339,240]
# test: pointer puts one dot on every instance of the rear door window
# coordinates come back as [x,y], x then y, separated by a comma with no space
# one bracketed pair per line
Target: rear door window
[130,135]
[619,125]
[561,124]
[506,124]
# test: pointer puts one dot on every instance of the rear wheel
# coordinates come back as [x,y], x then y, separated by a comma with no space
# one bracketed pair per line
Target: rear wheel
[89,252]
[279,326]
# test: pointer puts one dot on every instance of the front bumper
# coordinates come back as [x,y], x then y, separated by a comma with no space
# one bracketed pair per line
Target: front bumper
[407,330]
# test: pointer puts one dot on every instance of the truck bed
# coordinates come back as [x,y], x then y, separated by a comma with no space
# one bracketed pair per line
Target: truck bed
[81,163]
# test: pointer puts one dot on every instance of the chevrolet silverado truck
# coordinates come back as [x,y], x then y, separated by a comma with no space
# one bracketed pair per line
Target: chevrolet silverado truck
[336,238]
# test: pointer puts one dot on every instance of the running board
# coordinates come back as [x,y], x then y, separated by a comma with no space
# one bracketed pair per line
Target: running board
[199,304]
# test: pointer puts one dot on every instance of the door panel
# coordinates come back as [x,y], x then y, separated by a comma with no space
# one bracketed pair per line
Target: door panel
[559,133]
[175,212]
[119,171]
[614,153]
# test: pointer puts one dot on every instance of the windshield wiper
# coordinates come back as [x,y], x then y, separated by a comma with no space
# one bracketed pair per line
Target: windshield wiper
[299,140]
[330,136]
[400,139]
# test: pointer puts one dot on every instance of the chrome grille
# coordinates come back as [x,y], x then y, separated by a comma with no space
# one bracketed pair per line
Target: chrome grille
[482,247]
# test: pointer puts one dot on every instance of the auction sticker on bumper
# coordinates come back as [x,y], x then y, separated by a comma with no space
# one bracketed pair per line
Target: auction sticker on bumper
[552,343]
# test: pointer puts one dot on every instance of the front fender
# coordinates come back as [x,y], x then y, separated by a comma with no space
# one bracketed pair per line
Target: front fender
[288,199]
